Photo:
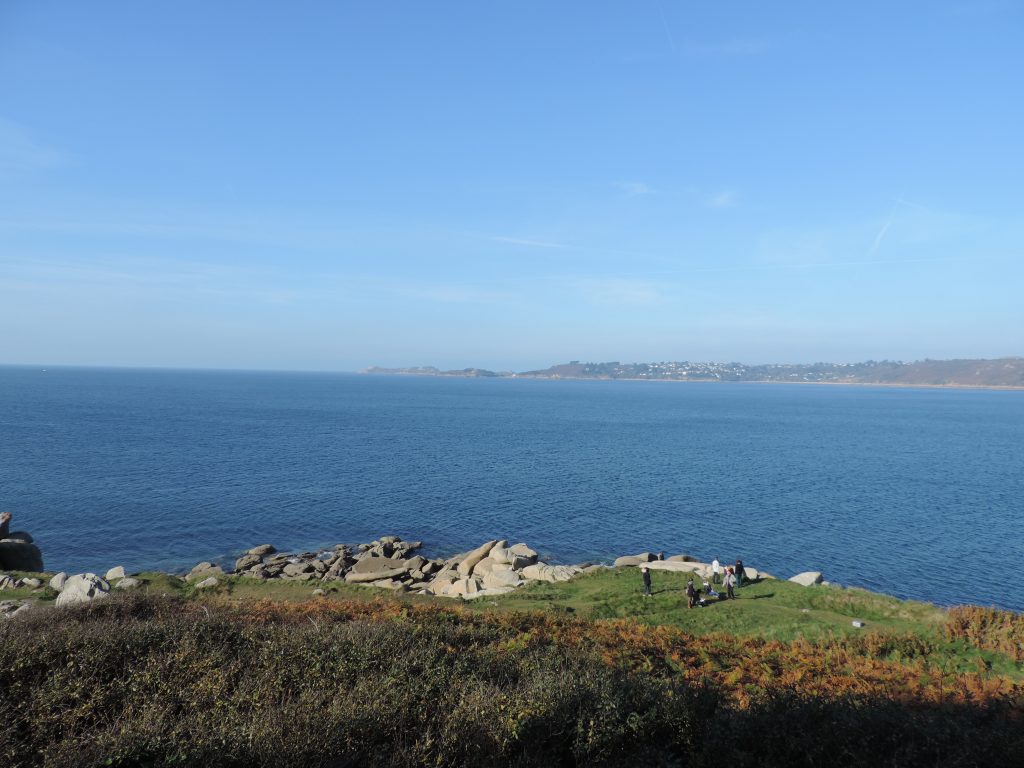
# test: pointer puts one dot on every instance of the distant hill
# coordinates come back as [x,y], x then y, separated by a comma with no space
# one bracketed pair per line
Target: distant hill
[1002,372]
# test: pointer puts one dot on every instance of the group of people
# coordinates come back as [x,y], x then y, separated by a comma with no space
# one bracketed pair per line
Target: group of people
[730,577]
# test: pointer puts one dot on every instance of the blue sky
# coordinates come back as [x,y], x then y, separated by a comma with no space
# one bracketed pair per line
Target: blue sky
[328,185]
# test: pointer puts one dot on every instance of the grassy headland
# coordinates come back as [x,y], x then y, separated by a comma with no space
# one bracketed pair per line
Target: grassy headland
[585,672]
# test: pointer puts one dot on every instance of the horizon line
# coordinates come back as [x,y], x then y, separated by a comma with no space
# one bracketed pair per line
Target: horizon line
[364,369]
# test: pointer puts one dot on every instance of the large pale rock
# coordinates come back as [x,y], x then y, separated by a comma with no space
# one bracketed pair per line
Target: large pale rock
[678,566]
[115,573]
[469,562]
[247,561]
[262,550]
[380,564]
[643,557]
[208,583]
[7,582]
[336,570]
[57,582]
[501,579]
[389,584]
[681,559]
[807,578]
[485,566]
[204,571]
[524,552]
[11,608]
[443,578]
[509,556]
[468,586]
[30,582]
[354,577]
[416,562]
[543,572]
[82,588]
[297,569]
[17,555]
[501,555]
[750,574]
[457,588]
[128,583]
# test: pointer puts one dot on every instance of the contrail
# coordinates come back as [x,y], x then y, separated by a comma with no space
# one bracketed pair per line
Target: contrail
[880,236]
[885,227]
[664,21]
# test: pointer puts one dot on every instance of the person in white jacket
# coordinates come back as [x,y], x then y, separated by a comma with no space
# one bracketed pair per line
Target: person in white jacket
[716,571]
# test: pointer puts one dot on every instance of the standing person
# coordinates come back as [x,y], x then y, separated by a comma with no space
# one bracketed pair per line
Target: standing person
[691,593]
[716,571]
[730,582]
[5,524]
[739,572]
[645,573]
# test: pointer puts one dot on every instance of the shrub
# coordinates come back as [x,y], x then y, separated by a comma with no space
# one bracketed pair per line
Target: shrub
[146,681]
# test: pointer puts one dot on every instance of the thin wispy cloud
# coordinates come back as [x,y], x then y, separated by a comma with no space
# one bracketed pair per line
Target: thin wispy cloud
[634,188]
[723,199]
[880,236]
[664,24]
[528,243]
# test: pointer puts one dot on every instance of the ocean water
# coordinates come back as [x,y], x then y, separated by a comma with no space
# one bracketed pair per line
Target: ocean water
[913,492]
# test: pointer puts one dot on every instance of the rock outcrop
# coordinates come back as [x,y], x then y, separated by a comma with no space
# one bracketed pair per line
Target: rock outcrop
[82,588]
[20,555]
[807,578]
[644,557]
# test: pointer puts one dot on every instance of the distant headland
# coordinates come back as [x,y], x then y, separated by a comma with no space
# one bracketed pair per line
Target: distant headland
[1003,373]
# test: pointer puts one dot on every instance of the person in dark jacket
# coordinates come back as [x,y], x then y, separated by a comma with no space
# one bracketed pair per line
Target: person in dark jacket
[691,594]
[739,572]
[730,582]
[645,573]
[5,524]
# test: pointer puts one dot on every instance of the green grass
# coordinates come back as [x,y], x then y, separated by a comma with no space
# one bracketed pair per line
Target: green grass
[771,609]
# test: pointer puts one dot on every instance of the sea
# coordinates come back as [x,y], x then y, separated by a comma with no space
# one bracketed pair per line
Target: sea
[914,492]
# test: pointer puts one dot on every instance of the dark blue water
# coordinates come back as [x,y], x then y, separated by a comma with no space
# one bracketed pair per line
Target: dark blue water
[917,493]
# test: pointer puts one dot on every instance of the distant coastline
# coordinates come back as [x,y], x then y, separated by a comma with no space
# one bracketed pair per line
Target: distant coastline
[1001,373]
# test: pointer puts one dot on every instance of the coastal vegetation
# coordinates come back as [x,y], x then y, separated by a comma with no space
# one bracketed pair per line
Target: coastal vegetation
[567,673]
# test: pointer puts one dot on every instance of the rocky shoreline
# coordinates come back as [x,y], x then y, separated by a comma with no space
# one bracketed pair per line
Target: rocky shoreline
[491,569]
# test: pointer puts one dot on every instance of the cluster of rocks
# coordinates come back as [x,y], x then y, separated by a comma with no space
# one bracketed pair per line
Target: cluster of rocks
[493,568]
[683,564]
[80,588]
[86,587]
[688,564]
